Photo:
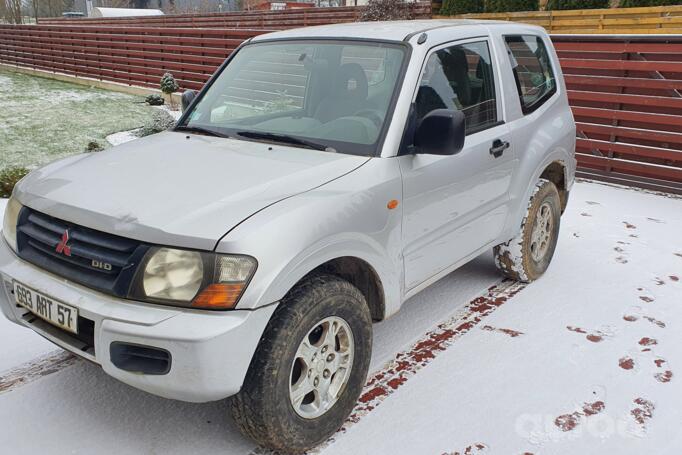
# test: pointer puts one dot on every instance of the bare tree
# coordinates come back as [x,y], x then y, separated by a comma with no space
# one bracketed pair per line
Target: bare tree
[118,4]
[11,11]
[47,8]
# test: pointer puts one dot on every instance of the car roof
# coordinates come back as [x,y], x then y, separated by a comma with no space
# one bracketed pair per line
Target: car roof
[388,30]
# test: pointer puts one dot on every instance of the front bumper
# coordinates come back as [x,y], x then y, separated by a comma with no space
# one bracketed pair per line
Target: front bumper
[210,351]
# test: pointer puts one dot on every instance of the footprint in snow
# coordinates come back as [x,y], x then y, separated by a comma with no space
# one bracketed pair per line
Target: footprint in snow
[626,363]
[622,252]
[629,225]
[470,450]
[594,336]
[645,295]
[636,313]
[646,341]
[568,422]
[636,361]
[656,220]
[642,412]
[592,203]
[663,376]
[660,324]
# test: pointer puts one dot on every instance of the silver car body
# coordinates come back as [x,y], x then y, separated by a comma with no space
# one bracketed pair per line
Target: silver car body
[295,209]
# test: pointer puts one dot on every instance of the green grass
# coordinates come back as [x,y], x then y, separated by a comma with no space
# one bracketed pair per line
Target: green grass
[43,119]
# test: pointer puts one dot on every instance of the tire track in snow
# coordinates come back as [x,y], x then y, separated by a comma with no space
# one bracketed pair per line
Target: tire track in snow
[35,369]
[406,364]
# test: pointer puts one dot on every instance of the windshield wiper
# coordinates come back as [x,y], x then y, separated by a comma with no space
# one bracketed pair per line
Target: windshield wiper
[284,138]
[200,130]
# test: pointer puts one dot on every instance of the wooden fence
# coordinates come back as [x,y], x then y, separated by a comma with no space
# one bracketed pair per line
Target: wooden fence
[301,17]
[659,19]
[129,55]
[626,95]
[625,91]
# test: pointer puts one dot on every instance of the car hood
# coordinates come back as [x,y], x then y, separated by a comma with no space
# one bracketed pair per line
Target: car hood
[177,189]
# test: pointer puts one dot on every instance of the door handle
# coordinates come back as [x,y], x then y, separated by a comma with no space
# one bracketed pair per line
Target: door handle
[498,148]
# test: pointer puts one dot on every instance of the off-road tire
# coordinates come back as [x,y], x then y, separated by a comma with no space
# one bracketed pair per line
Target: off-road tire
[514,258]
[263,409]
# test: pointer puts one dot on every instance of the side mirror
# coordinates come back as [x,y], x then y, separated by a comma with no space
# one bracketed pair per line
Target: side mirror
[440,132]
[187,98]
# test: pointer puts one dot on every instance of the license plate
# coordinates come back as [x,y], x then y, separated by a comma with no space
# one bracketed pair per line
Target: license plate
[47,308]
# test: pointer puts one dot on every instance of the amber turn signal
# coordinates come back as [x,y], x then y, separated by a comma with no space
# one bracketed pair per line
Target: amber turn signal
[218,296]
[393,203]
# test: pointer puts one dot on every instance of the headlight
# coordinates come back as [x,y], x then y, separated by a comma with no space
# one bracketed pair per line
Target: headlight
[193,279]
[173,275]
[9,224]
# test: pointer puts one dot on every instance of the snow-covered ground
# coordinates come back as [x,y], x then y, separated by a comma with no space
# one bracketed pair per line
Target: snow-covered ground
[582,361]
[44,119]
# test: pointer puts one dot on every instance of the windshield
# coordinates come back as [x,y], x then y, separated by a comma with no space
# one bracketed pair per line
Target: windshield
[322,94]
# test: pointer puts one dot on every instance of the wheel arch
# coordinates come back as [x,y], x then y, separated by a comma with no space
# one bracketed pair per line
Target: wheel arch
[360,274]
[555,167]
[362,264]
[557,173]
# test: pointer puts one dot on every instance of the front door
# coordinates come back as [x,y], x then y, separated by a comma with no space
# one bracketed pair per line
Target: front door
[454,205]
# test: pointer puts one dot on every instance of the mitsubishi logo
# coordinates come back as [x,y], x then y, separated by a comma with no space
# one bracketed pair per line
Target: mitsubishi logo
[62,246]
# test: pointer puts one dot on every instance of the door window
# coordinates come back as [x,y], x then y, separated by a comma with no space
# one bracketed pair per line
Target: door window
[532,70]
[460,78]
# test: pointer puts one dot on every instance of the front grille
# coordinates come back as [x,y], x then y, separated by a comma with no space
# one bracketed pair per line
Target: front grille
[95,259]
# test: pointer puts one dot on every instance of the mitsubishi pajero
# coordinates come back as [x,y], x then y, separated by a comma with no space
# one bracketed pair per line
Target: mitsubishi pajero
[321,178]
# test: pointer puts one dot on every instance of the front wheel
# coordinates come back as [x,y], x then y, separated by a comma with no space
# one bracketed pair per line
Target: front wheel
[309,368]
[526,257]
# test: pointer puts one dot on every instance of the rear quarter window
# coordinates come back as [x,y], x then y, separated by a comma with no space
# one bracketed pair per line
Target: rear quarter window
[532,69]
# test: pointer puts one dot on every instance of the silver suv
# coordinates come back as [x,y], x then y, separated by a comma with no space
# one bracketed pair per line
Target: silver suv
[319,180]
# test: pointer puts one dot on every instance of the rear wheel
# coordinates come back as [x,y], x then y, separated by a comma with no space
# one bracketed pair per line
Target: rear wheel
[309,368]
[526,257]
